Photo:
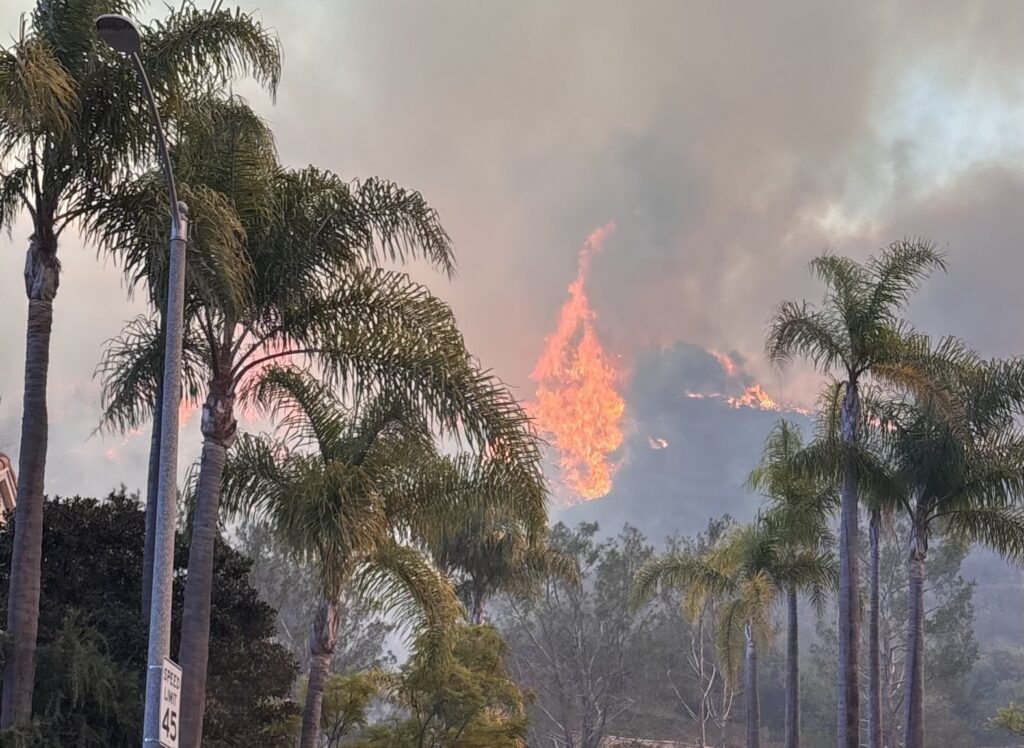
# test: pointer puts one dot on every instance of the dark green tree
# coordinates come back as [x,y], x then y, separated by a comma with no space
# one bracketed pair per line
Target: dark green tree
[92,656]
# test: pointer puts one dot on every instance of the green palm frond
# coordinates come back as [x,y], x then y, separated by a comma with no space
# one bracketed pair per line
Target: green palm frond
[401,581]
[999,528]
[218,44]
[402,224]
[899,271]
[380,331]
[15,187]
[799,330]
[680,571]
[131,371]
[38,97]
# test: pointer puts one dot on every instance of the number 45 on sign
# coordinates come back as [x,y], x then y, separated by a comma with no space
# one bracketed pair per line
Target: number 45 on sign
[170,698]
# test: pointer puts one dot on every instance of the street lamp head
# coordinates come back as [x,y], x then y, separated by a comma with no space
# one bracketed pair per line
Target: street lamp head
[119,33]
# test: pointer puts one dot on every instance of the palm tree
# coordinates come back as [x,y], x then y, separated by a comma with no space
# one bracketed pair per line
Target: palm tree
[856,331]
[878,487]
[70,127]
[748,571]
[334,490]
[306,286]
[494,538]
[801,507]
[962,477]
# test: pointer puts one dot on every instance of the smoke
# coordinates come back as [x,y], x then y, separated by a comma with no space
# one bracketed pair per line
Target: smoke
[729,144]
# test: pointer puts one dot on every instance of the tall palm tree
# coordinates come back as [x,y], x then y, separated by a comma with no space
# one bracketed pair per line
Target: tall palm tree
[879,488]
[70,128]
[801,506]
[962,477]
[307,288]
[334,490]
[747,571]
[493,539]
[857,332]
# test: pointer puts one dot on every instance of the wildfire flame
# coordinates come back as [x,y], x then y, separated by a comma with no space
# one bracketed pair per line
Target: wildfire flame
[754,395]
[578,407]
[727,364]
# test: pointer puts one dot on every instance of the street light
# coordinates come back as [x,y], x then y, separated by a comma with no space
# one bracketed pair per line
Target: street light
[122,35]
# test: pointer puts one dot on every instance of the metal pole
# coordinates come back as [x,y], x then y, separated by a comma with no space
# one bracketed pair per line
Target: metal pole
[167,484]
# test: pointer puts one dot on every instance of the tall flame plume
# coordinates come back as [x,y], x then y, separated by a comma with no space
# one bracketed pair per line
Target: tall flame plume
[578,406]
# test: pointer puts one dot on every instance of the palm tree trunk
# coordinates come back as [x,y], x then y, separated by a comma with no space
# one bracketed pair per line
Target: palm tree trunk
[152,482]
[218,427]
[874,645]
[41,280]
[753,702]
[792,674]
[476,616]
[322,639]
[848,675]
[914,673]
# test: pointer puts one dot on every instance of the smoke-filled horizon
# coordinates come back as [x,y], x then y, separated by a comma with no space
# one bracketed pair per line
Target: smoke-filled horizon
[728,144]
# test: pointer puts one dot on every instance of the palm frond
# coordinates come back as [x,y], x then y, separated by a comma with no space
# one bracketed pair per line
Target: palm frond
[194,44]
[796,329]
[401,581]
[899,271]
[38,97]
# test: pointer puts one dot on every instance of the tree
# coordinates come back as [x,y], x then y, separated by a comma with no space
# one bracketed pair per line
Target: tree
[578,647]
[494,537]
[878,486]
[93,638]
[801,507]
[307,287]
[956,702]
[857,331]
[748,571]
[468,703]
[340,508]
[290,588]
[68,132]
[963,477]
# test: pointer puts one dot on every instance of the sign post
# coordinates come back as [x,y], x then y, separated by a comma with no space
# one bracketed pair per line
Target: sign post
[170,701]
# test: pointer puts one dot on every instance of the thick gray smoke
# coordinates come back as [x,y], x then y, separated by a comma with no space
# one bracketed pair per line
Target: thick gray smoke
[729,144]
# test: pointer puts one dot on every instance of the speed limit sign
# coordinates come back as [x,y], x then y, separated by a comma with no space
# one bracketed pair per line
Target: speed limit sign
[170,701]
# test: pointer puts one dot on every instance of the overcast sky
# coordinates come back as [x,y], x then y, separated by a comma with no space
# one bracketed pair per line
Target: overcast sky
[728,142]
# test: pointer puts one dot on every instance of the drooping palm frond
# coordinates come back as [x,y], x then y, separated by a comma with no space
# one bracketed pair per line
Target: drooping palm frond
[219,44]
[698,578]
[378,331]
[38,96]
[402,224]
[401,580]
[999,528]
[131,371]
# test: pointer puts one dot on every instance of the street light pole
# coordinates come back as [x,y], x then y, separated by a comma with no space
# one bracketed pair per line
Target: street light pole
[121,34]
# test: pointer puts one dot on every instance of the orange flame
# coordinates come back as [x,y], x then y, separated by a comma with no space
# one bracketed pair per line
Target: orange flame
[578,407]
[754,396]
[727,364]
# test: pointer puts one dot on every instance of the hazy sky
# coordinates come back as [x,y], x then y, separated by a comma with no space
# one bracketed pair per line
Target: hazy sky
[728,142]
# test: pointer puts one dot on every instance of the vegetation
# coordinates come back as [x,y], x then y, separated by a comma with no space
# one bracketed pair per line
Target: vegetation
[92,654]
